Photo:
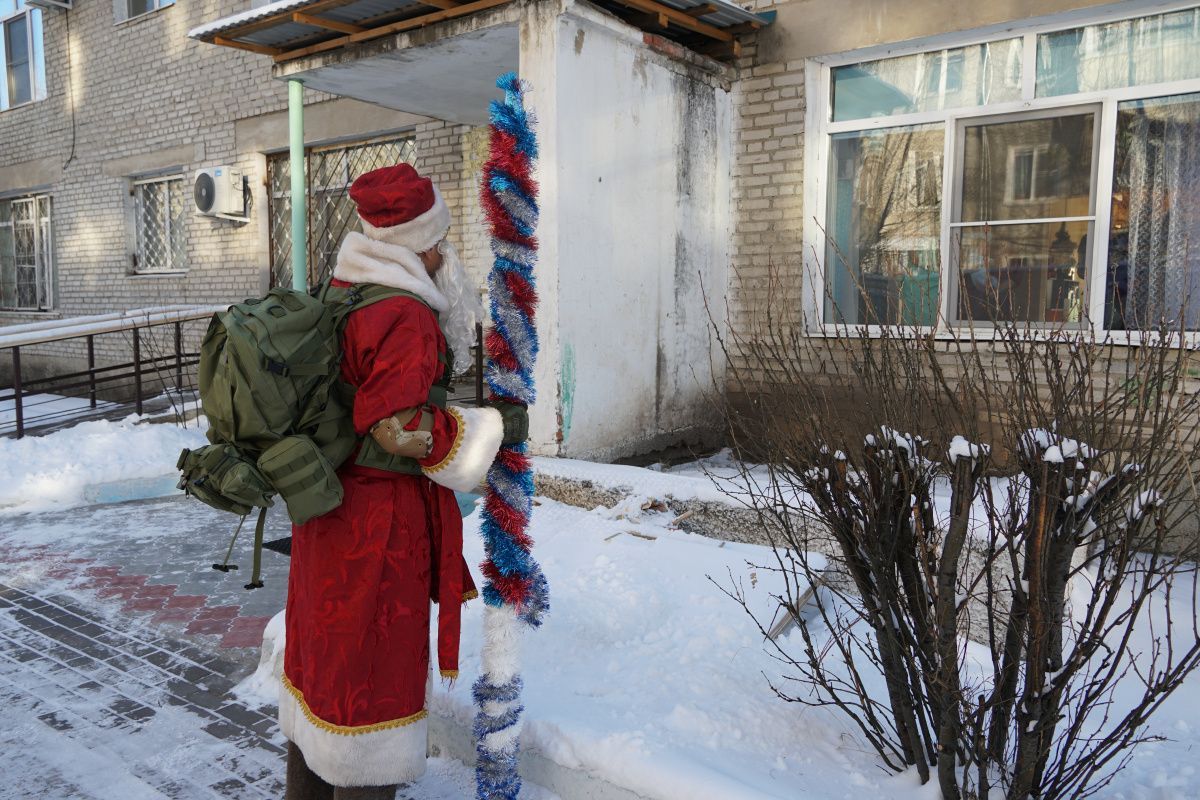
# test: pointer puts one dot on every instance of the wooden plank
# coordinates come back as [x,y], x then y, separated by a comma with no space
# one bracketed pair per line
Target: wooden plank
[782,624]
[328,24]
[645,21]
[679,18]
[442,4]
[283,16]
[744,27]
[731,49]
[261,49]
[701,11]
[394,27]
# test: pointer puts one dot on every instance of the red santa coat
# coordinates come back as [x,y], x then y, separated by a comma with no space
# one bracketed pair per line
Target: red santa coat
[357,650]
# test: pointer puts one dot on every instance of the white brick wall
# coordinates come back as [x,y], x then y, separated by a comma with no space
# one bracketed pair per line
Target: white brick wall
[768,175]
[145,94]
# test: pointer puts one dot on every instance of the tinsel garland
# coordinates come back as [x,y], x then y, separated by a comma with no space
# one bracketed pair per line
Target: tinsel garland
[515,591]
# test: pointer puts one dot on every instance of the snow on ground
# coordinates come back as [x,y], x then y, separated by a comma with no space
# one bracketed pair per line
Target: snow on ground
[39,473]
[644,674]
[45,407]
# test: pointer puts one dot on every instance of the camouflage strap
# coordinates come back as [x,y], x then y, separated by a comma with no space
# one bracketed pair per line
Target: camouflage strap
[256,572]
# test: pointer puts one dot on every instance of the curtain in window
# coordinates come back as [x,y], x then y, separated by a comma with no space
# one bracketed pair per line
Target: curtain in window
[1163,279]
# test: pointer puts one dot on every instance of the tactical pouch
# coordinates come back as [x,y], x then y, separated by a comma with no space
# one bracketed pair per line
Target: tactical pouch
[217,475]
[303,477]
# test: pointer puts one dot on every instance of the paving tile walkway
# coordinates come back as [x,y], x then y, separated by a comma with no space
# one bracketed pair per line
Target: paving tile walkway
[119,646]
[122,712]
[150,562]
[119,650]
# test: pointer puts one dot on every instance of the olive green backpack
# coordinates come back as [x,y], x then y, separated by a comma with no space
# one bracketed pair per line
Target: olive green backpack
[278,412]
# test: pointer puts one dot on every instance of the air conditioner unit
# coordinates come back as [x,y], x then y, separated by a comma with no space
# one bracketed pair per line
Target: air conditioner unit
[220,192]
[50,4]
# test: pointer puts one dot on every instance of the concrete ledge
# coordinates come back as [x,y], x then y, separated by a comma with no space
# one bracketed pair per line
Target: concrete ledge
[447,739]
[706,516]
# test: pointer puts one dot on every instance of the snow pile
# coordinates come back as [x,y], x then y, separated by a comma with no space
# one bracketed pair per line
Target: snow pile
[62,469]
[262,687]
[645,674]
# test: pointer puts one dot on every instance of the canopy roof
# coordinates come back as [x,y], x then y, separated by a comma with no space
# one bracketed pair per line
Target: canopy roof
[290,29]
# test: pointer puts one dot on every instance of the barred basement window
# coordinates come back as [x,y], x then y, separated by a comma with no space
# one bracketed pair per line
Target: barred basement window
[331,212]
[160,216]
[26,254]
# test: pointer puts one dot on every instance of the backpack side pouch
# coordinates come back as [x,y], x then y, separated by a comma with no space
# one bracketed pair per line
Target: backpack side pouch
[219,476]
[303,476]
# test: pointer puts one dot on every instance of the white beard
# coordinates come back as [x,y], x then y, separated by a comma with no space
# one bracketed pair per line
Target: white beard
[464,307]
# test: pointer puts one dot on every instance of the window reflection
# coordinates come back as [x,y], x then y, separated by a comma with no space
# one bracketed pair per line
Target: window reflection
[1020,251]
[956,78]
[884,221]
[1117,54]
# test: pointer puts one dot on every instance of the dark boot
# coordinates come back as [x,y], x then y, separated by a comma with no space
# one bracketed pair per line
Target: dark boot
[365,793]
[302,782]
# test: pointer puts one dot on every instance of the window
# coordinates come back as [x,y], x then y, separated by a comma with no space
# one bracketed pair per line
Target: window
[332,214]
[1022,230]
[1017,240]
[159,209]
[1153,271]
[21,54]
[128,9]
[26,254]
[959,78]
[884,245]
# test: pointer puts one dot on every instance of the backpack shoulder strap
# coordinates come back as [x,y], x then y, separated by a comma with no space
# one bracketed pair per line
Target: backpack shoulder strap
[345,299]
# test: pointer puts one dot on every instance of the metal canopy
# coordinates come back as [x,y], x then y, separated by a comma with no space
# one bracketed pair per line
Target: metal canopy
[291,29]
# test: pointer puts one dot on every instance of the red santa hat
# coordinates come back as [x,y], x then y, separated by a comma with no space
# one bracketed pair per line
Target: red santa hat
[399,206]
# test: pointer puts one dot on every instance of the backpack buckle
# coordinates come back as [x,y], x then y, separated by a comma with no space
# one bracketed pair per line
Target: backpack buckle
[276,368]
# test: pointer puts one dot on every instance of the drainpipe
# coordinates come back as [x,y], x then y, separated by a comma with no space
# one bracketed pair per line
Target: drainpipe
[299,190]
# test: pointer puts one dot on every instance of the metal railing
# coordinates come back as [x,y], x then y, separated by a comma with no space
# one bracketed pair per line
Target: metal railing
[128,373]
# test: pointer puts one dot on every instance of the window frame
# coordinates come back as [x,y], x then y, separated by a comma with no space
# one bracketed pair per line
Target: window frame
[135,186]
[37,71]
[43,229]
[820,128]
[123,13]
[948,311]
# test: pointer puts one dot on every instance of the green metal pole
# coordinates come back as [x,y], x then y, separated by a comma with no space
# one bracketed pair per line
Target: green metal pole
[299,190]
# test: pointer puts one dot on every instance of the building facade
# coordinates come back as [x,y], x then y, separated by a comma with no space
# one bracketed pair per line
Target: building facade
[866,162]
[102,129]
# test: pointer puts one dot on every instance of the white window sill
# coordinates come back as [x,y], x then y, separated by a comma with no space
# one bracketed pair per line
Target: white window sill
[27,312]
[26,104]
[160,273]
[967,333]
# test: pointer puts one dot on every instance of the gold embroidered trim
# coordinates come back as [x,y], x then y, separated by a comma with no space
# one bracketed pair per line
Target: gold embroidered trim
[349,730]
[471,595]
[449,673]
[458,438]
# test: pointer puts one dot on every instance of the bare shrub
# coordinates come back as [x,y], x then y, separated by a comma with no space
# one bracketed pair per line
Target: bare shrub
[1029,489]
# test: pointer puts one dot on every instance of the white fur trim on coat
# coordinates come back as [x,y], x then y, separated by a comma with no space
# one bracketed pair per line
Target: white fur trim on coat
[364,260]
[355,757]
[476,443]
[420,233]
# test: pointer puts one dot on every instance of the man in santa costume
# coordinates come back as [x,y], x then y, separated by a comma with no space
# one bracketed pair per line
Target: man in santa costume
[362,577]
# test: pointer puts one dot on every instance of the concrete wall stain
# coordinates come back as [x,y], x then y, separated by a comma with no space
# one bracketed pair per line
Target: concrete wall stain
[567,389]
